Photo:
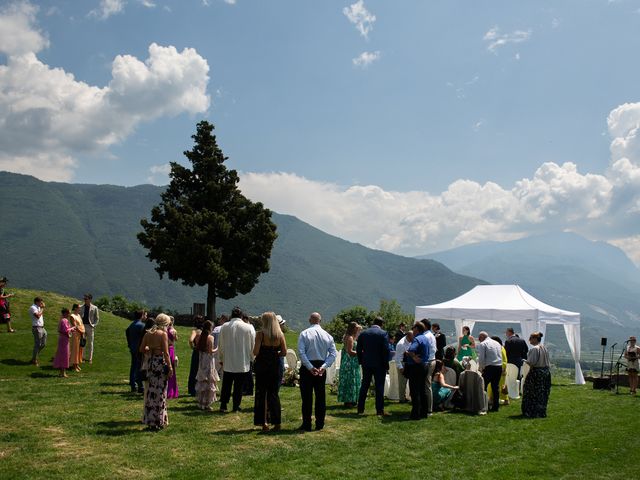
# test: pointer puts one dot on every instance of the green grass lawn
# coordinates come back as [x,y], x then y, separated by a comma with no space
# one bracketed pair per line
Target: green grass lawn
[88,426]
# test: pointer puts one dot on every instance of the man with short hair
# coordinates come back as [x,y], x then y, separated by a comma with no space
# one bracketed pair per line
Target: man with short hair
[373,355]
[441,340]
[36,312]
[317,353]
[235,352]
[431,363]
[90,318]
[516,349]
[134,334]
[416,358]
[490,364]
[401,347]
[402,331]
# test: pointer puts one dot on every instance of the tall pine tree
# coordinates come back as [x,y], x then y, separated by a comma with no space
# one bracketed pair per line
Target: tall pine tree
[204,231]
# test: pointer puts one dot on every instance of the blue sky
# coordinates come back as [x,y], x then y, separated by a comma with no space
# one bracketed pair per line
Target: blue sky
[409,126]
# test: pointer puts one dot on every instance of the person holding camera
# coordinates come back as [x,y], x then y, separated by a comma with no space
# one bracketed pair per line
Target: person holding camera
[631,353]
[36,311]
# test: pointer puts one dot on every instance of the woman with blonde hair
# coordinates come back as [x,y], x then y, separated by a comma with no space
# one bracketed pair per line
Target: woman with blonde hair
[155,343]
[537,384]
[349,377]
[269,347]
[207,376]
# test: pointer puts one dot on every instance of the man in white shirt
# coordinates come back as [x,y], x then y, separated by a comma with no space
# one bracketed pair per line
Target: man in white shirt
[37,328]
[317,353]
[490,364]
[235,352]
[401,347]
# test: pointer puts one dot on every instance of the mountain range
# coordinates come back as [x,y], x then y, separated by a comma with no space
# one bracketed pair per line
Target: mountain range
[75,238]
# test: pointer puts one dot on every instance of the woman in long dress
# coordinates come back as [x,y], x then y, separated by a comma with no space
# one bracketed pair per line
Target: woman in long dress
[349,376]
[195,354]
[207,377]
[75,355]
[537,384]
[270,345]
[61,360]
[155,343]
[172,335]
[466,345]
[442,391]
[631,354]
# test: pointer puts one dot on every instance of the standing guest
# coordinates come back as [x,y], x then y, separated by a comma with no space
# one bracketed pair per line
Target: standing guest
[431,363]
[155,343]
[349,378]
[247,386]
[172,335]
[75,355]
[441,390]
[134,334]
[317,353]
[466,345]
[416,366]
[216,339]
[90,318]
[5,310]
[450,361]
[270,346]
[631,354]
[516,349]
[198,320]
[402,331]
[61,360]
[235,351]
[441,341]
[504,398]
[373,356]
[207,377]
[537,384]
[490,364]
[402,347]
[36,312]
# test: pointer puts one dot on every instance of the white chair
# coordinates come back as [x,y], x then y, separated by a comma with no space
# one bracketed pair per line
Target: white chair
[392,392]
[524,371]
[450,379]
[291,360]
[511,381]
[331,371]
[474,365]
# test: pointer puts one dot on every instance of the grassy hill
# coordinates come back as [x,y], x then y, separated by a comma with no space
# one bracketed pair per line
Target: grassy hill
[87,426]
[75,238]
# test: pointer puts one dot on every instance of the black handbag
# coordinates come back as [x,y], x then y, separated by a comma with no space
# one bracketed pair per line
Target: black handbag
[83,341]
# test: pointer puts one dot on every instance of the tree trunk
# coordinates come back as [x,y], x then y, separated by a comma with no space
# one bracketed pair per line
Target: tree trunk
[211,302]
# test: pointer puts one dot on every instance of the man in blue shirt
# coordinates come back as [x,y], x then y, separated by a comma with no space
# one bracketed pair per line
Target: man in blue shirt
[431,363]
[317,353]
[134,333]
[416,368]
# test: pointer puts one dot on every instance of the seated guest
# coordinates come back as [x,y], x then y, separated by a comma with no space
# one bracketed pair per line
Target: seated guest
[472,387]
[441,390]
[450,361]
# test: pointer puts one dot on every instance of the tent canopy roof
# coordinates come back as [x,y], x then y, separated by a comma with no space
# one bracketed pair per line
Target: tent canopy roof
[497,303]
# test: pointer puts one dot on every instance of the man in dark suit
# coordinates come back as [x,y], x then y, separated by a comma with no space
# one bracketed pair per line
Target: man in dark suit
[516,349]
[373,355]
[134,333]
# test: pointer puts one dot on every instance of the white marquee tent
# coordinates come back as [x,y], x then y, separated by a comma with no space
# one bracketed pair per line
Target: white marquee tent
[507,304]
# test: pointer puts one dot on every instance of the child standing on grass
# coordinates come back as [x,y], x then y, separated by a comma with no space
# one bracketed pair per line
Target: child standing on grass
[61,360]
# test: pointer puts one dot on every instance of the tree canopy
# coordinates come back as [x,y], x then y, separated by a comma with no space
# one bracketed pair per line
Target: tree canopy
[204,231]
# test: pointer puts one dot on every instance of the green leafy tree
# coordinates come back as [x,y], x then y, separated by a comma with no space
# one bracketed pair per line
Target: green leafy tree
[338,325]
[204,231]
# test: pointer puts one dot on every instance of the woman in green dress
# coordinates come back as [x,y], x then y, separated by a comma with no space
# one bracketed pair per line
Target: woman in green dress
[466,345]
[349,377]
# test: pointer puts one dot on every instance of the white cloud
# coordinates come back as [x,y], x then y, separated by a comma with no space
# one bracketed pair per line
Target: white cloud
[108,8]
[497,40]
[148,3]
[230,2]
[48,118]
[159,174]
[17,36]
[363,19]
[366,58]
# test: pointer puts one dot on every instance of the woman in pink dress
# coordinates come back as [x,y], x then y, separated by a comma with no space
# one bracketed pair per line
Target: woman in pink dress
[61,360]
[172,387]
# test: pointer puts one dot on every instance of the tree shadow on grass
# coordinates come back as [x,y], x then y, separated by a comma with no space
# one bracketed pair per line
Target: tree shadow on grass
[12,362]
[128,395]
[118,428]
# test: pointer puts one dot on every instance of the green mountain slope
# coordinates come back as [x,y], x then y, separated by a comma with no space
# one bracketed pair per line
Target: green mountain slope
[75,238]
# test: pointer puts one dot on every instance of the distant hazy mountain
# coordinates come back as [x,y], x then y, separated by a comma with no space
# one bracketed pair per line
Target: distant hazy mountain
[563,269]
[73,238]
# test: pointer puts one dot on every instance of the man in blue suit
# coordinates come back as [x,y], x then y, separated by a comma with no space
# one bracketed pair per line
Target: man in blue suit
[373,355]
[135,332]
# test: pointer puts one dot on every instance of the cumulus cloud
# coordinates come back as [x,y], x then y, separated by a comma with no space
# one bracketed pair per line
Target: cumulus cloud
[366,58]
[48,118]
[17,36]
[362,18]
[108,8]
[496,40]
[159,174]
